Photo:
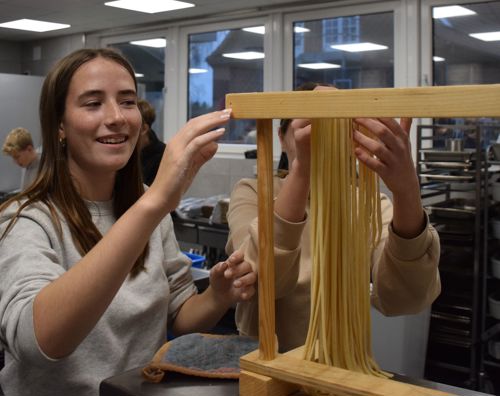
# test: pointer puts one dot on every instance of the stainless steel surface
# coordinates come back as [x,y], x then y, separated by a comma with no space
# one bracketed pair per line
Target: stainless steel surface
[131,383]
[454,144]
[454,208]
[466,155]
[431,176]
[448,165]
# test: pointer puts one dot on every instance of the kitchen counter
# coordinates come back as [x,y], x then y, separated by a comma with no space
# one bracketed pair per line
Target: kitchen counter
[131,383]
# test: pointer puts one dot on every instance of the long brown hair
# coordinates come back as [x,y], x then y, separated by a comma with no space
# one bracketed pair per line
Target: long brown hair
[54,185]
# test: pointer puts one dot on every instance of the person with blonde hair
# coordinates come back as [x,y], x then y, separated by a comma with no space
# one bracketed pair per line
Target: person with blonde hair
[19,145]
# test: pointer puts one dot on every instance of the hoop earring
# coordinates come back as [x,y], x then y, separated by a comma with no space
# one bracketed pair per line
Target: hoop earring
[62,142]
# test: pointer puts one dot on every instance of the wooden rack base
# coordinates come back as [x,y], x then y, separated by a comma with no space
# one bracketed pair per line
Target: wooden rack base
[287,373]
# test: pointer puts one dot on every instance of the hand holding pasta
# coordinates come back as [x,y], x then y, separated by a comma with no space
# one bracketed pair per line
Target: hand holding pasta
[388,153]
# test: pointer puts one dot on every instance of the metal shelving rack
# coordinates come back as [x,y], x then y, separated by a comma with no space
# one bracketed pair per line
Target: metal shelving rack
[456,350]
[489,366]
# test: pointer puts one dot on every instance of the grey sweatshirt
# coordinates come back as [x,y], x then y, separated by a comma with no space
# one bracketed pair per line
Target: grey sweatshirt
[127,335]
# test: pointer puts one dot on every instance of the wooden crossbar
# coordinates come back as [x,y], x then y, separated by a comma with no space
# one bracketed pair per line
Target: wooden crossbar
[421,102]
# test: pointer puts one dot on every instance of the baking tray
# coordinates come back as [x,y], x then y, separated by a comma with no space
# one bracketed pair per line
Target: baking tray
[444,177]
[454,208]
[448,165]
[433,155]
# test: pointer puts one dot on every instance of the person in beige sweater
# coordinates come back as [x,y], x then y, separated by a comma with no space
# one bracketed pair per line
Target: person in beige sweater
[404,265]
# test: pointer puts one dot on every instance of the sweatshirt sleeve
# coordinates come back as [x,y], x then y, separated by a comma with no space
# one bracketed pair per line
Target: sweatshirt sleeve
[405,272]
[28,262]
[244,236]
[177,267]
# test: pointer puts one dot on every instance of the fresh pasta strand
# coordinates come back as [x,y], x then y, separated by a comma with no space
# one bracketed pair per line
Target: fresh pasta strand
[346,223]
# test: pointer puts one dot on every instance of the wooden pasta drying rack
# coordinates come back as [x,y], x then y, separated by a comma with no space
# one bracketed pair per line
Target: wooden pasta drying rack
[265,372]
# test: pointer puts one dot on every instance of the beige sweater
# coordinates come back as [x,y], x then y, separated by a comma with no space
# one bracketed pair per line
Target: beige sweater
[404,271]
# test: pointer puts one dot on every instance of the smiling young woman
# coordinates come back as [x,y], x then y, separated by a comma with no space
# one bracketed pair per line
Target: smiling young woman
[91,274]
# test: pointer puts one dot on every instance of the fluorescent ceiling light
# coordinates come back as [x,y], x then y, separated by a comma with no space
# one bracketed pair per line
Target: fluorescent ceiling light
[155,43]
[262,29]
[319,66]
[486,36]
[34,26]
[255,29]
[437,59]
[149,6]
[450,11]
[359,47]
[300,29]
[139,75]
[247,55]
[195,70]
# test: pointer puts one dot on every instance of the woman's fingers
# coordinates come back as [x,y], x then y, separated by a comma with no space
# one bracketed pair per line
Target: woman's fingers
[381,130]
[203,124]
[298,123]
[406,124]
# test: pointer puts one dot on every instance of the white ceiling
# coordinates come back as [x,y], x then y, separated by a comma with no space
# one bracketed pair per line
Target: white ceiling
[86,16]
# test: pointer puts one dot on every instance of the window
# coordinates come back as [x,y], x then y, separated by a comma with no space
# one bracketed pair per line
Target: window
[466,50]
[349,52]
[222,62]
[148,60]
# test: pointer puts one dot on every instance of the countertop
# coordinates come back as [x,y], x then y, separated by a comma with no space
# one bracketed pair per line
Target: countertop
[131,383]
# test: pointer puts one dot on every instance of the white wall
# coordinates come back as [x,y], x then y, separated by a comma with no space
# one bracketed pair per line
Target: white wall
[10,57]
[38,57]
[19,108]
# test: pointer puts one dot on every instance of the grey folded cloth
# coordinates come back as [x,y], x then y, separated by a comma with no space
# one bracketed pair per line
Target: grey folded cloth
[203,355]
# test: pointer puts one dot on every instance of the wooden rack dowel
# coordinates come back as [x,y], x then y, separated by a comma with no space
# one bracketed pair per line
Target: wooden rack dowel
[267,338]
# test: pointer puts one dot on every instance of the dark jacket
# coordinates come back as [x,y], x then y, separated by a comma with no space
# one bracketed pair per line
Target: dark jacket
[151,157]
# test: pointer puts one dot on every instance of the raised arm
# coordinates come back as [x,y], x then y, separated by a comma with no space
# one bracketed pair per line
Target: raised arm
[68,308]
[405,267]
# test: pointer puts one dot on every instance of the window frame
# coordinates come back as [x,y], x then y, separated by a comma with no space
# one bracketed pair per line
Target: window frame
[164,33]
[225,150]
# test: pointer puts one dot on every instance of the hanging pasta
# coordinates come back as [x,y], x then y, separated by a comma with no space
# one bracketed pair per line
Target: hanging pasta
[346,225]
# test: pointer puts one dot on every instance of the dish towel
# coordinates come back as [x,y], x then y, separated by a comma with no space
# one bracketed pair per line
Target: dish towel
[203,355]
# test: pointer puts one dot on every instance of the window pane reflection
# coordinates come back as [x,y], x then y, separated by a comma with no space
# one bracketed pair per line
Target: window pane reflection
[222,62]
[458,57]
[149,65]
[461,57]
[348,52]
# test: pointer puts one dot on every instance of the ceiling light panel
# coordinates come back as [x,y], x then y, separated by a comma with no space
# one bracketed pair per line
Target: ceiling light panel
[262,29]
[319,66]
[149,6]
[486,36]
[359,47]
[155,43]
[450,12]
[196,70]
[34,25]
[255,29]
[248,55]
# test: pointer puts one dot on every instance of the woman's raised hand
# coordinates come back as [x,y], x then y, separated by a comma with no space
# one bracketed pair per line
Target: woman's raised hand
[193,145]
[388,153]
